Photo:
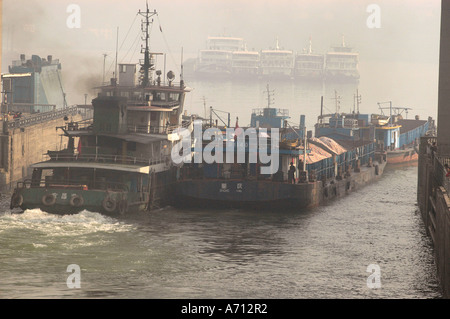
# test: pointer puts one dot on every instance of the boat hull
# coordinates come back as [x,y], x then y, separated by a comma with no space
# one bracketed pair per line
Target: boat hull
[268,195]
[399,157]
[69,201]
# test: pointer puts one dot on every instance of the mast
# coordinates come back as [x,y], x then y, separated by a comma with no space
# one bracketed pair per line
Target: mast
[310,45]
[356,102]
[146,65]
[337,101]
[269,97]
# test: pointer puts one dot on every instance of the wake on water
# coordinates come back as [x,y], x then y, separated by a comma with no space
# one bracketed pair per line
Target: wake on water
[82,223]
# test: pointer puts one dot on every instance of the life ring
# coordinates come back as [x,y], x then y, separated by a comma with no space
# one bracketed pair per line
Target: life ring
[109,204]
[48,199]
[16,200]
[76,201]
[123,206]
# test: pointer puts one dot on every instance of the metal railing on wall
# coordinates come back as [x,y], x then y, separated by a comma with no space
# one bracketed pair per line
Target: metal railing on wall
[39,118]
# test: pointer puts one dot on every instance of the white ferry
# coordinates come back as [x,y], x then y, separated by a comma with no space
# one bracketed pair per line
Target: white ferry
[216,59]
[341,63]
[277,63]
[245,63]
[309,65]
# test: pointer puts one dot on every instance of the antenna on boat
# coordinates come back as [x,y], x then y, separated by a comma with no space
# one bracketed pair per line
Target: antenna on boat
[270,98]
[321,109]
[117,49]
[181,75]
[204,105]
[356,101]
[310,45]
[146,65]
[337,100]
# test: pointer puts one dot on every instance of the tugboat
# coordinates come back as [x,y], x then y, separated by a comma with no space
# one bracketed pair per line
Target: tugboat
[118,162]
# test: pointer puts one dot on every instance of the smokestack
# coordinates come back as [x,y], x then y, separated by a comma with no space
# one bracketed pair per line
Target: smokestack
[443,129]
[49,58]
[22,57]
[302,121]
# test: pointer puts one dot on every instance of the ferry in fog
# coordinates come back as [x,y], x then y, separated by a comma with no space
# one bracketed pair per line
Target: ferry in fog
[228,58]
[309,65]
[277,63]
[341,63]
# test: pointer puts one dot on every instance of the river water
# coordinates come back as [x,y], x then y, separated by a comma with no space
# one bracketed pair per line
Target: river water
[169,253]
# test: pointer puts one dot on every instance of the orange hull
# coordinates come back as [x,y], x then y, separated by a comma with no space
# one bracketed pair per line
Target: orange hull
[402,156]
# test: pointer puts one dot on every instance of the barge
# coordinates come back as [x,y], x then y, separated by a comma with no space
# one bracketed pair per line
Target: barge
[311,171]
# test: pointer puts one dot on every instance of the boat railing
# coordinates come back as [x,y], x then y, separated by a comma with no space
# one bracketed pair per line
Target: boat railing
[131,128]
[79,125]
[146,129]
[104,158]
[279,112]
[73,184]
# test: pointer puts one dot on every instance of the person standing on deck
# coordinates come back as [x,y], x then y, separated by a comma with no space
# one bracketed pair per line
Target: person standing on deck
[291,174]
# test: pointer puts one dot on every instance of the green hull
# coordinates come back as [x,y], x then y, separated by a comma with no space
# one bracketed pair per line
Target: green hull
[70,201]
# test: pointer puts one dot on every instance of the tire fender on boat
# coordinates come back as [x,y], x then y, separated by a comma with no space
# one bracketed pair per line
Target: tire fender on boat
[109,204]
[123,206]
[16,200]
[76,201]
[48,199]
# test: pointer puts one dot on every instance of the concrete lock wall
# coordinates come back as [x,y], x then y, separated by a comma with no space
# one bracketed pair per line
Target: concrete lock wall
[22,146]
[434,203]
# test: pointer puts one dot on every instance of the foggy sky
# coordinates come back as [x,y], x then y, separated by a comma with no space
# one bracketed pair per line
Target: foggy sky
[409,30]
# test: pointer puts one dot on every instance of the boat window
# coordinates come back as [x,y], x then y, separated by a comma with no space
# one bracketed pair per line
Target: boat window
[159,96]
[174,96]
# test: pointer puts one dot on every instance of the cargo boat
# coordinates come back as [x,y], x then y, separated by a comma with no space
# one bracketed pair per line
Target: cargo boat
[397,137]
[119,161]
[324,169]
